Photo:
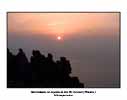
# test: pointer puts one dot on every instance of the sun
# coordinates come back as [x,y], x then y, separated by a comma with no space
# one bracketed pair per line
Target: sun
[59,38]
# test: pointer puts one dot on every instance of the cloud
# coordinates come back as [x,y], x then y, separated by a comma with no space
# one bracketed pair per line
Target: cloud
[64,23]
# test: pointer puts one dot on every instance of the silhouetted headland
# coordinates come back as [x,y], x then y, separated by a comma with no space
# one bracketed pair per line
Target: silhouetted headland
[40,72]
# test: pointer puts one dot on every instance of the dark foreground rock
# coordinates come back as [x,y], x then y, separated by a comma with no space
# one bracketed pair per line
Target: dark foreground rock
[40,72]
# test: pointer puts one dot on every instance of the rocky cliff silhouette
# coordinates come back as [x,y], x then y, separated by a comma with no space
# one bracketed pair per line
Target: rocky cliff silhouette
[40,72]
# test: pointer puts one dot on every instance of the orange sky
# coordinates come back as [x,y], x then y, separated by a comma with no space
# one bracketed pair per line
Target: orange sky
[62,23]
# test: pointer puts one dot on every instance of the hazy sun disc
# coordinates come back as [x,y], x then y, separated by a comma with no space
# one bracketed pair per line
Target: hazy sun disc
[58,38]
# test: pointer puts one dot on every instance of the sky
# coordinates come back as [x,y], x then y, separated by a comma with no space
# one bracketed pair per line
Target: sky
[89,40]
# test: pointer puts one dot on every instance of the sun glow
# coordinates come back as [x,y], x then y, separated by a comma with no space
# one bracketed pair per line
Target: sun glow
[59,38]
